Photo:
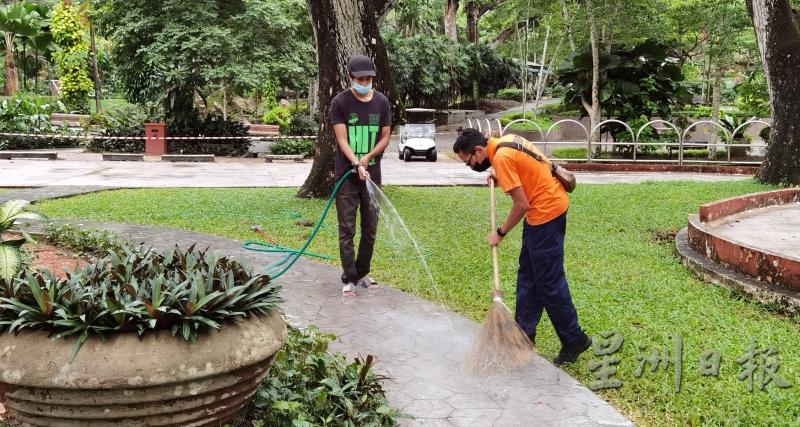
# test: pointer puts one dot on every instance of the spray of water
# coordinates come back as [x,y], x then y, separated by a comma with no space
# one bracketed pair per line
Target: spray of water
[401,240]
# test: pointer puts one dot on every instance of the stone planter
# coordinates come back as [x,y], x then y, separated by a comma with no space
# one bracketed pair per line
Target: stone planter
[155,380]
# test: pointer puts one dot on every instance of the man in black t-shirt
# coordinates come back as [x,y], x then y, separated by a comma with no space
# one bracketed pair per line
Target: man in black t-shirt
[361,119]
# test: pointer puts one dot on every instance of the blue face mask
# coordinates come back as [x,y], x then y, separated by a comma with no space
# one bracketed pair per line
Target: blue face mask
[363,90]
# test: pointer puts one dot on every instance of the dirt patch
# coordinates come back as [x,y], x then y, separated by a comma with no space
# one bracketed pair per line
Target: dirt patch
[54,258]
[664,237]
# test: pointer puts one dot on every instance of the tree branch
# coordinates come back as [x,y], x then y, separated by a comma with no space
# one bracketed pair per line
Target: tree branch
[382,7]
[506,33]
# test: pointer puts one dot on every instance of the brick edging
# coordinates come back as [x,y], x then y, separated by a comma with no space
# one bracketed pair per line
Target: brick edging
[733,205]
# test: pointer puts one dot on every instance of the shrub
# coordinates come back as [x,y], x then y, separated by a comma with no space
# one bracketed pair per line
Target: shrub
[543,121]
[310,386]
[24,114]
[570,153]
[302,124]
[90,242]
[119,122]
[212,125]
[514,94]
[186,291]
[560,109]
[72,57]
[697,111]
[306,147]
[278,115]
[752,97]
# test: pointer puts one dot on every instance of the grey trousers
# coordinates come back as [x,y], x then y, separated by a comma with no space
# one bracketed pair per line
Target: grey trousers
[354,194]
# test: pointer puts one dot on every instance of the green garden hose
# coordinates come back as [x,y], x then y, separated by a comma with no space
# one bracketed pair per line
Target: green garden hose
[276,269]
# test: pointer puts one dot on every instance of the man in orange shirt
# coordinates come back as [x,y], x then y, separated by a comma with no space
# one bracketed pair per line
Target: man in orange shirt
[539,198]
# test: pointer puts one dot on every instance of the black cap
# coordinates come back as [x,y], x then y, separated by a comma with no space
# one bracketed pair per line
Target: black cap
[360,66]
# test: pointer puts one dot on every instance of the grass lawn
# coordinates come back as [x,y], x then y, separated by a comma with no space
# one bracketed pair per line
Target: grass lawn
[624,276]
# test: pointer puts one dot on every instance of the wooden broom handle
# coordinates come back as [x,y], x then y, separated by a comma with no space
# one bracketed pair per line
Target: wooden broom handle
[495,263]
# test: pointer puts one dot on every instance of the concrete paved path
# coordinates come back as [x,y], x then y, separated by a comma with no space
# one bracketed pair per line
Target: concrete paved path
[417,343]
[88,169]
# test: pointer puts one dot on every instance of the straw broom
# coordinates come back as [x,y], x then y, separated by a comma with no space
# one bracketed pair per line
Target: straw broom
[501,343]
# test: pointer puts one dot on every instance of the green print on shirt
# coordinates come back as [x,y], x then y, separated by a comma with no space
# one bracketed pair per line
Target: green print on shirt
[362,139]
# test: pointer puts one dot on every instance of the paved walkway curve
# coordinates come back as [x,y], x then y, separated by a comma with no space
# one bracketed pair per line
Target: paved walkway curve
[417,343]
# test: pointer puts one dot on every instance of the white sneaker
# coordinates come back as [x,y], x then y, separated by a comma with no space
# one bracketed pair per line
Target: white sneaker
[349,290]
[368,282]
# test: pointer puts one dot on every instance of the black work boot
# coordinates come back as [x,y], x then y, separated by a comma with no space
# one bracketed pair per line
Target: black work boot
[569,354]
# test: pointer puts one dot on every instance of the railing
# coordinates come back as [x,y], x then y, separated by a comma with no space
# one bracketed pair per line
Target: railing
[727,142]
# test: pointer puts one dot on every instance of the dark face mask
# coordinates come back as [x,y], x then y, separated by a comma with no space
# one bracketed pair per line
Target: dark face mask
[482,166]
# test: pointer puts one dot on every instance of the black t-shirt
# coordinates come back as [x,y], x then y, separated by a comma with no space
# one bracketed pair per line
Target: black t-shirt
[364,121]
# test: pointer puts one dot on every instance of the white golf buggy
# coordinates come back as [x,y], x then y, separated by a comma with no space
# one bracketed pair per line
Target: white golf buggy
[418,135]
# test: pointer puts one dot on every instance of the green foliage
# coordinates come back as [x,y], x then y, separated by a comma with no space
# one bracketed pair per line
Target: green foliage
[278,115]
[730,122]
[308,386]
[71,57]
[135,290]
[560,109]
[91,242]
[638,80]
[170,51]
[302,123]
[23,114]
[24,23]
[695,111]
[19,19]
[118,122]
[306,147]
[514,94]
[752,98]
[433,71]
[544,122]
[10,253]
[569,153]
[213,125]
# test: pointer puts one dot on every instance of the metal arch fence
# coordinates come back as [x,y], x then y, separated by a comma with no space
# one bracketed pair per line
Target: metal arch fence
[680,145]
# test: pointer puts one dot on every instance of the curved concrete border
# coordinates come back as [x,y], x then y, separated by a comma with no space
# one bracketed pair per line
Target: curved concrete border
[718,274]
[766,266]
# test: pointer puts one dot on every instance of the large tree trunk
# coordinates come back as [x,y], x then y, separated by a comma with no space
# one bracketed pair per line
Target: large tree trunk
[342,28]
[777,30]
[450,28]
[594,108]
[11,68]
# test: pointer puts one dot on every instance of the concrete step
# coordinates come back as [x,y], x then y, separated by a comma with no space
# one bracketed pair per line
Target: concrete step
[49,155]
[294,157]
[187,158]
[123,157]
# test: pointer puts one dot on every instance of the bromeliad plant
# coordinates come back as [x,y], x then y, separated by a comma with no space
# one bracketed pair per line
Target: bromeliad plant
[137,290]
[10,253]
[310,386]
